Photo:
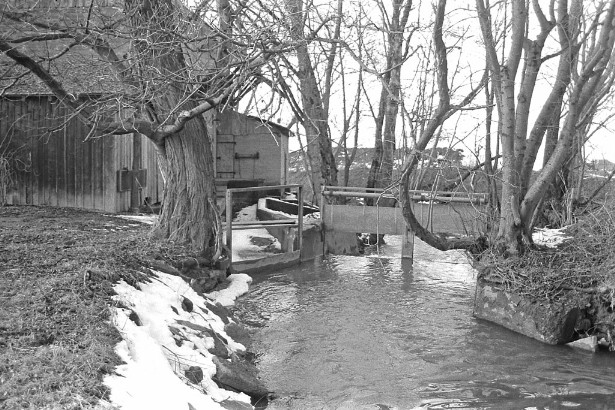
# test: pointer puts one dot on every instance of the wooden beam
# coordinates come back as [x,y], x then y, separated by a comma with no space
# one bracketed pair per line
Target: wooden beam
[264,188]
[257,225]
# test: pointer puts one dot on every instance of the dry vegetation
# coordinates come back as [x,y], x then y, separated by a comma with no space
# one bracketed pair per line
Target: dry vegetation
[57,267]
[583,264]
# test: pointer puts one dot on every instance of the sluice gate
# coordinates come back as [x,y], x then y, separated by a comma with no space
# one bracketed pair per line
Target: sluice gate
[450,213]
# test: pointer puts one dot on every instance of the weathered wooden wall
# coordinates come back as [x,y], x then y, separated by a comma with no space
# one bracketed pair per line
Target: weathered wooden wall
[245,136]
[57,167]
[155,183]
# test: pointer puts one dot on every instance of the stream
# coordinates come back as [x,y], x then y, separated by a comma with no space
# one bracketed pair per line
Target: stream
[371,332]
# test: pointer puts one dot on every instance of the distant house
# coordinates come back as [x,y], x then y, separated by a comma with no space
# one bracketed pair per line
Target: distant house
[55,161]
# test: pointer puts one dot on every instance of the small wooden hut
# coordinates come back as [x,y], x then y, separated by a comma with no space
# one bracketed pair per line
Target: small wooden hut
[249,151]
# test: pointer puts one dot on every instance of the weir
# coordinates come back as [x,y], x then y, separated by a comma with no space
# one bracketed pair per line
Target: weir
[433,209]
[365,219]
[292,256]
[443,212]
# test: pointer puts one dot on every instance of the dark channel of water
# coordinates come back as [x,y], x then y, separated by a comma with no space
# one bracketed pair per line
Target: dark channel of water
[372,333]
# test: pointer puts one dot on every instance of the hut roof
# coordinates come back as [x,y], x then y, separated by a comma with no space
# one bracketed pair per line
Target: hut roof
[79,68]
[280,128]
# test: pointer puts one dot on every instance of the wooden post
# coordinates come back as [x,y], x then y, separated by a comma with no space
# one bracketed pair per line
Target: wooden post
[229,224]
[135,189]
[300,221]
[407,246]
[323,225]
[407,242]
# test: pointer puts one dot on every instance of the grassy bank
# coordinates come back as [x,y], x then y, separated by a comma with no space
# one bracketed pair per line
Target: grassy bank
[57,267]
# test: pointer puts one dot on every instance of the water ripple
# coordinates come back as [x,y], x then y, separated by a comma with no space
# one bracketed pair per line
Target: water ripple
[372,333]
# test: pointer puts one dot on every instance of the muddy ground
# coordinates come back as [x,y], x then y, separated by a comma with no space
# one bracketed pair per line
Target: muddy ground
[57,267]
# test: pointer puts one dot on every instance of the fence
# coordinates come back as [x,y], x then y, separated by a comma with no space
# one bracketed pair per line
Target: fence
[230,226]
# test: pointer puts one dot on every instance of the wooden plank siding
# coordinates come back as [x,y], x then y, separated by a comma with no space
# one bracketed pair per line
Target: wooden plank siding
[155,182]
[240,139]
[59,168]
[56,166]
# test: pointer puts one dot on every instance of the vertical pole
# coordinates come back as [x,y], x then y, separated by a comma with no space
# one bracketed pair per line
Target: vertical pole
[407,248]
[407,244]
[430,216]
[229,224]
[214,146]
[322,220]
[300,221]
[136,166]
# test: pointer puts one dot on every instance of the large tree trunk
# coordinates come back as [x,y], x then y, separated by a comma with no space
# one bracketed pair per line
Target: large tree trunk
[510,229]
[588,85]
[490,170]
[391,94]
[189,212]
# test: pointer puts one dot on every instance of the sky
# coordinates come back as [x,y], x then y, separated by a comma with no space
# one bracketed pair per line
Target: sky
[469,56]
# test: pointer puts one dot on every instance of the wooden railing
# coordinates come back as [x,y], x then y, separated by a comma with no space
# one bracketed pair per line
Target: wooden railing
[417,194]
[231,226]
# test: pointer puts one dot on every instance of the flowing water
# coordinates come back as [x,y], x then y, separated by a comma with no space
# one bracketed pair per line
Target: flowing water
[373,333]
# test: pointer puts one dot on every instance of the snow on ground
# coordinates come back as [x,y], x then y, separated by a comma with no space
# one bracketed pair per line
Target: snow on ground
[240,283]
[149,219]
[549,237]
[153,374]
[243,247]
[588,176]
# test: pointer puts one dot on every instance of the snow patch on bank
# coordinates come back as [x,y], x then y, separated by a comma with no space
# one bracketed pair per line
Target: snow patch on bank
[148,219]
[240,283]
[153,374]
[551,238]
[243,246]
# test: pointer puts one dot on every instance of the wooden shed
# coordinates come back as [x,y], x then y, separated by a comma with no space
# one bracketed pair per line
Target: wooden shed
[52,156]
[55,165]
[249,151]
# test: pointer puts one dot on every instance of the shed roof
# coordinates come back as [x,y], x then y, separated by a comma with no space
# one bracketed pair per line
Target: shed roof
[80,69]
[284,130]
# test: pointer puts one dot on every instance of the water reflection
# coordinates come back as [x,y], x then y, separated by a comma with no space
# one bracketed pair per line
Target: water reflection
[369,332]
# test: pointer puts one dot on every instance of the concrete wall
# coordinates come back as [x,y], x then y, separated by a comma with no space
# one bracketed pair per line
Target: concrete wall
[551,323]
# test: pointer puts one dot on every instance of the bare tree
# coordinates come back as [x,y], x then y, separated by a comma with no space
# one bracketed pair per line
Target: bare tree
[583,78]
[441,113]
[398,49]
[314,98]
